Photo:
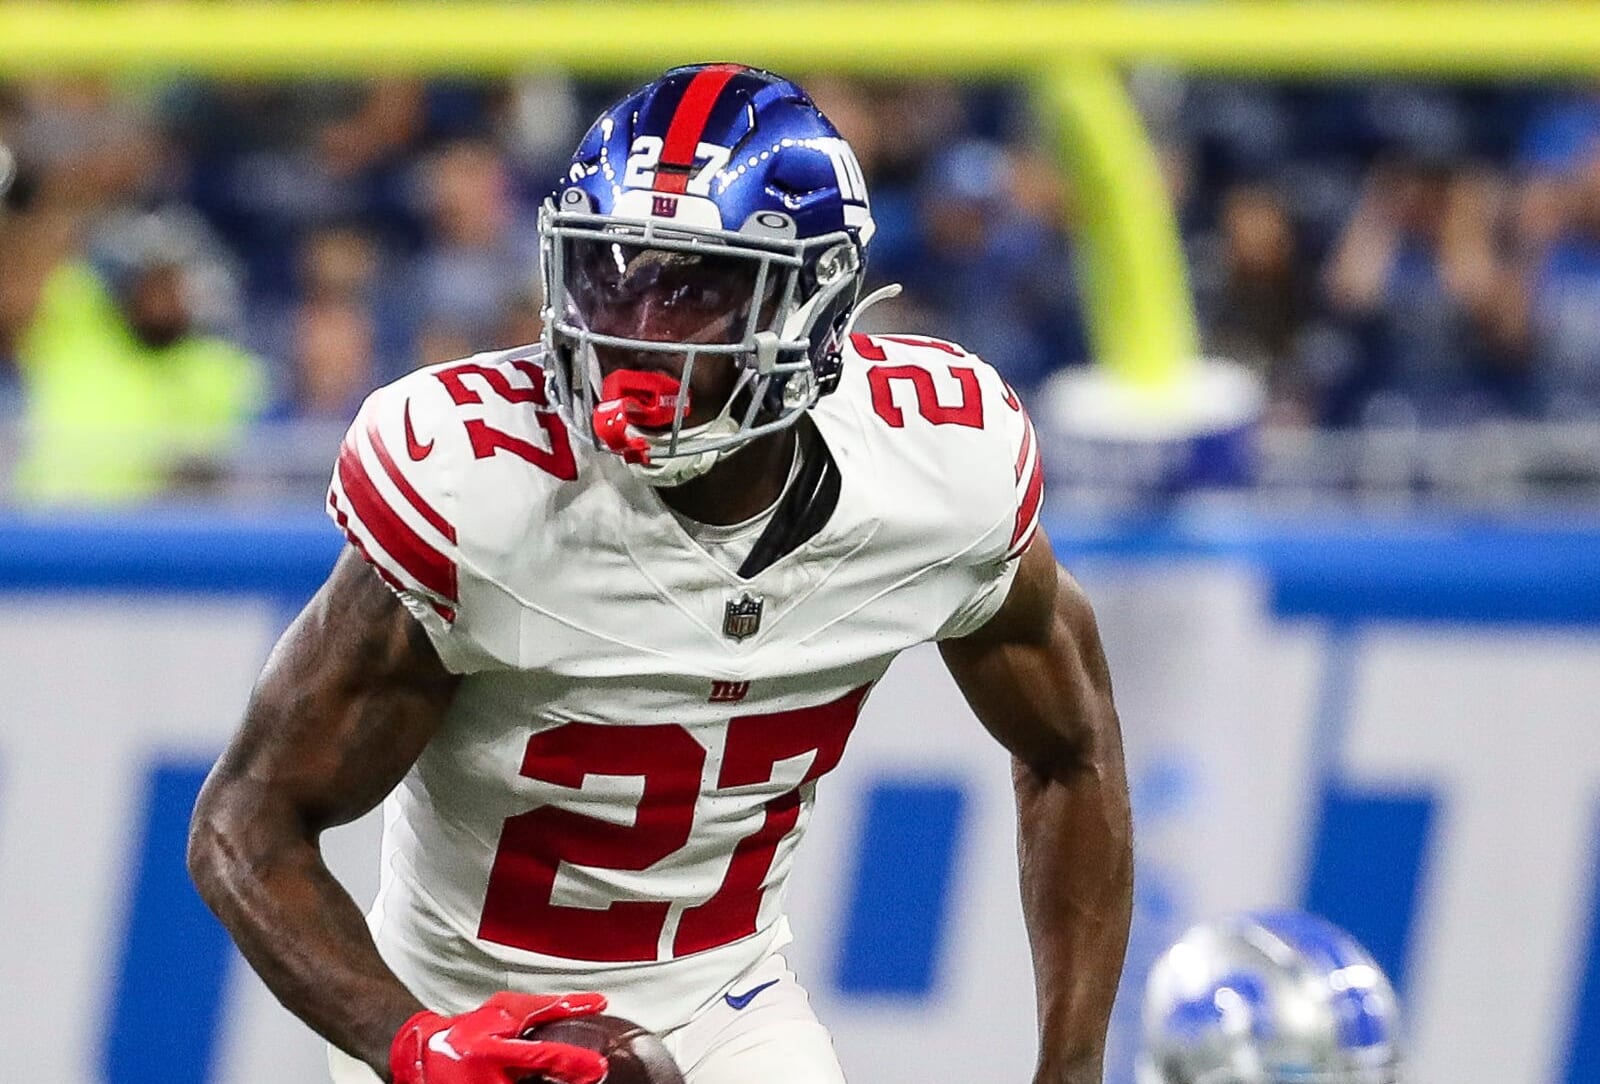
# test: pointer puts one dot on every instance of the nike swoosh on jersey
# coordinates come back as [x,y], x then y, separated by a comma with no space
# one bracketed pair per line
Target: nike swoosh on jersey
[739,1001]
[416,450]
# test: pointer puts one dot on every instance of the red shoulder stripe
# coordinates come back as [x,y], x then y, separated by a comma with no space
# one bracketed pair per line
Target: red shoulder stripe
[1027,446]
[427,511]
[1027,539]
[344,524]
[688,124]
[425,564]
[1030,504]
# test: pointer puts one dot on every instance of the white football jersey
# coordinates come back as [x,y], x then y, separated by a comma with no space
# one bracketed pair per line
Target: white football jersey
[615,796]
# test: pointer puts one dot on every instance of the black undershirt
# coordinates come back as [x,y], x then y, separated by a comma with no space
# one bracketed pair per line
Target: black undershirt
[803,510]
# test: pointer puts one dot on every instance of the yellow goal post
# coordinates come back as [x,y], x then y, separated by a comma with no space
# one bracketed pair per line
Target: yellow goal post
[1134,287]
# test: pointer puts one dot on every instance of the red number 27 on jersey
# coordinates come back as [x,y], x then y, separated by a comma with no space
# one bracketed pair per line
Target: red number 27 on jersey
[968,412]
[518,908]
[487,440]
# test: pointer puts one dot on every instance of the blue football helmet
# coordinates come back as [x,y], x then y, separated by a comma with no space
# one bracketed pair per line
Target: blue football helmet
[1269,998]
[722,197]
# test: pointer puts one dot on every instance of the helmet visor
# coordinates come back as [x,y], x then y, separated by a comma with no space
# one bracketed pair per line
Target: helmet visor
[629,290]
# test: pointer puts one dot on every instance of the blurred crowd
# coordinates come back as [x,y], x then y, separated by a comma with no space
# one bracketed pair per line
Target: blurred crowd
[181,261]
[1400,253]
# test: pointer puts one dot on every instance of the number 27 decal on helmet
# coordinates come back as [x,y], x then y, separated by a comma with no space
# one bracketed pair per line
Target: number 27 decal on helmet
[721,198]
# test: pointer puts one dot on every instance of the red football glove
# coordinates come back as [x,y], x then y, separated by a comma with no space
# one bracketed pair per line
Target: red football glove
[483,1047]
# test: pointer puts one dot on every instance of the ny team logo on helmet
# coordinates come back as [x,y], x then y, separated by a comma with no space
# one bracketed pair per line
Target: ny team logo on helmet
[723,171]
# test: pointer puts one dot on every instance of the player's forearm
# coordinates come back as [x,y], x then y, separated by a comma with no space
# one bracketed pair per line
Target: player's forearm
[1075,852]
[297,925]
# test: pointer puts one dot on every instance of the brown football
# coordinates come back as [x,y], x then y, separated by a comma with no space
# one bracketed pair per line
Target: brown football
[636,1056]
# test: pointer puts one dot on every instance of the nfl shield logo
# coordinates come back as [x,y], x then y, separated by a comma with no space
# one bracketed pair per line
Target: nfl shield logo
[664,206]
[742,617]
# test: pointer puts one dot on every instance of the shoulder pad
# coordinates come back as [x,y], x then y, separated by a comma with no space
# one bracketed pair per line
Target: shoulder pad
[957,411]
[440,464]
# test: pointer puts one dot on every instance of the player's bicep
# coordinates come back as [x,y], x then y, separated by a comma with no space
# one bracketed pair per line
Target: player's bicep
[1035,674]
[347,701]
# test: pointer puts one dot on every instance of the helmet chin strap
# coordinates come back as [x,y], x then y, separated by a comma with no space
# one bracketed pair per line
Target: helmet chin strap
[679,469]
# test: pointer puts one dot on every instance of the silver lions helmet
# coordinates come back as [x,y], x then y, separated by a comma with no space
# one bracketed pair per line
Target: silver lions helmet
[1269,998]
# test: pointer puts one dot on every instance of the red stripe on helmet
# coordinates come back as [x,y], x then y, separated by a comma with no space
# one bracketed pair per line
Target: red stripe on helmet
[672,181]
[689,124]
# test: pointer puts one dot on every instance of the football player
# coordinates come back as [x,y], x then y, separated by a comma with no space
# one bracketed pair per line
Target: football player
[1279,997]
[610,608]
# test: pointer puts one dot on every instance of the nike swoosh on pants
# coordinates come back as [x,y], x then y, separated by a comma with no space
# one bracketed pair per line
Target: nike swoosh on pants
[739,1001]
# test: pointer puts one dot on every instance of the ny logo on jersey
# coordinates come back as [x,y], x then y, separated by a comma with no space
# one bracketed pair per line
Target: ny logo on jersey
[742,617]
[728,692]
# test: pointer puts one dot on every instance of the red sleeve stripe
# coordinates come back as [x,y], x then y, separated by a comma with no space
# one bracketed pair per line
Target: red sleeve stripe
[344,523]
[1027,446]
[1027,512]
[407,490]
[1027,540]
[689,123]
[421,561]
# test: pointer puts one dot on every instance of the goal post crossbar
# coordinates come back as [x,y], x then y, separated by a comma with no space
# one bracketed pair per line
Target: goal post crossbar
[1135,292]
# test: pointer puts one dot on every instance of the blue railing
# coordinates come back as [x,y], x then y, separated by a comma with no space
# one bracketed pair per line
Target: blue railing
[1544,569]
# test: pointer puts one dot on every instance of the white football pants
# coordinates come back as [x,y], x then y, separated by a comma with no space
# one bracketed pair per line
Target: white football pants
[774,1038]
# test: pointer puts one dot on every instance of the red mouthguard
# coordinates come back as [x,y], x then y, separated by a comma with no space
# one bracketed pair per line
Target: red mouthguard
[636,398]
